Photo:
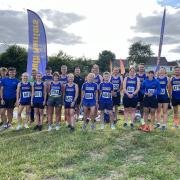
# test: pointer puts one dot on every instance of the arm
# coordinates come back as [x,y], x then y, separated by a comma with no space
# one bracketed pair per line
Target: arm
[121,85]
[45,93]
[138,87]
[18,94]
[32,94]
[158,89]
[77,93]
[170,87]
[124,86]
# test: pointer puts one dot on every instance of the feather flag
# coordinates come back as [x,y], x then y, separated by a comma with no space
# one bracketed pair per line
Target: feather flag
[37,50]
[161,40]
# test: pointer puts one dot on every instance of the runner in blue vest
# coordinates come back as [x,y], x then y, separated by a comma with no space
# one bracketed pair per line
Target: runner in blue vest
[163,99]
[131,87]
[142,76]
[47,78]
[151,88]
[38,100]
[63,77]
[70,100]
[8,95]
[116,80]
[23,100]
[55,101]
[105,99]
[174,90]
[89,100]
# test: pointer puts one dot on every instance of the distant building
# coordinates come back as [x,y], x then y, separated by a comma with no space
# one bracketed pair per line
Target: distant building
[152,63]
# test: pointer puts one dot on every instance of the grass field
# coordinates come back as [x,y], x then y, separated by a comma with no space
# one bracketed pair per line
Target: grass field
[119,154]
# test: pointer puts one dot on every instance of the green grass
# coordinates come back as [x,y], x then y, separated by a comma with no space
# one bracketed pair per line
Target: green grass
[119,154]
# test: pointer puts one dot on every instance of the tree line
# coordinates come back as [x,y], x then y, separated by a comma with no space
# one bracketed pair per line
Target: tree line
[16,56]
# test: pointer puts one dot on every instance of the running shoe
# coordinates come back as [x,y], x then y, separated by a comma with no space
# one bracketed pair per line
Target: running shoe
[93,126]
[18,127]
[102,126]
[50,128]
[157,126]
[113,126]
[125,125]
[26,126]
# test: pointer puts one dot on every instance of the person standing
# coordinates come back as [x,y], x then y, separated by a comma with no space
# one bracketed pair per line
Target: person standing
[116,80]
[174,89]
[142,76]
[8,94]
[79,81]
[131,87]
[151,88]
[163,99]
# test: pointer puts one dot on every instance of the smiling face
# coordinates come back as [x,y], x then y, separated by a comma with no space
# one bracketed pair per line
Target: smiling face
[177,71]
[70,78]
[115,71]
[63,70]
[132,71]
[150,75]
[25,77]
[12,73]
[38,77]
[106,77]
[77,71]
[141,68]
[162,71]
[90,77]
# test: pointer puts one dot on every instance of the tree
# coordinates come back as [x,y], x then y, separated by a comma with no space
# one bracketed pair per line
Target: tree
[104,60]
[139,53]
[14,56]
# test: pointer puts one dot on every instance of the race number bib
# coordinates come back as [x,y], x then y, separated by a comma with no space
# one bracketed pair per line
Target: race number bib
[69,99]
[38,94]
[151,91]
[176,87]
[106,95]
[130,89]
[163,91]
[54,92]
[89,96]
[26,94]
[116,86]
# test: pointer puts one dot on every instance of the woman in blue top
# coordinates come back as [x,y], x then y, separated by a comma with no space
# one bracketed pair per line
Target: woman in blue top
[55,101]
[23,100]
[151,88]
[89,99]
[131,86]
[174,89]
[38,100]
[70,98]
[163,99]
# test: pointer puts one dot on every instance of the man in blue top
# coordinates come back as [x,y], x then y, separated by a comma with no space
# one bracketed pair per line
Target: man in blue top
[8,94]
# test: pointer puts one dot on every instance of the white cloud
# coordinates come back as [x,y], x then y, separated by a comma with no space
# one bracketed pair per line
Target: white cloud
[106,25]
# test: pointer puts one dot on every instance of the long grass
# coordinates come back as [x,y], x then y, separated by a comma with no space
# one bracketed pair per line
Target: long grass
[118,154]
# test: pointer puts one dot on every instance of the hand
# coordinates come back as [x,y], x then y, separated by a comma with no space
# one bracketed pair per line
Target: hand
[130,95]
[17,103]
[114,94]
[149,95]
[2,101]
[72,104]
[44,103]
[97,105]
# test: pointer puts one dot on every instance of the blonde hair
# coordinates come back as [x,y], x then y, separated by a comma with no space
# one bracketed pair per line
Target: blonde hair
[70,75]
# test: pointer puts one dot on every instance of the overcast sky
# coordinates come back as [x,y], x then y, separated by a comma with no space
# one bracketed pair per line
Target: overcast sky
[86,27]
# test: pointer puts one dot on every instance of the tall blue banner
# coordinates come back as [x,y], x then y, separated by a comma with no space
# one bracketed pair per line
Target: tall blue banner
[37,50]
[161,40]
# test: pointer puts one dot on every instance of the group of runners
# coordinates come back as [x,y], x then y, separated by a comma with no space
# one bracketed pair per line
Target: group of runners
[94,94]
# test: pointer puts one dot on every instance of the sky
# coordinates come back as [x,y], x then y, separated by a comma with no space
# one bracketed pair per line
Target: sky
[87,27]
